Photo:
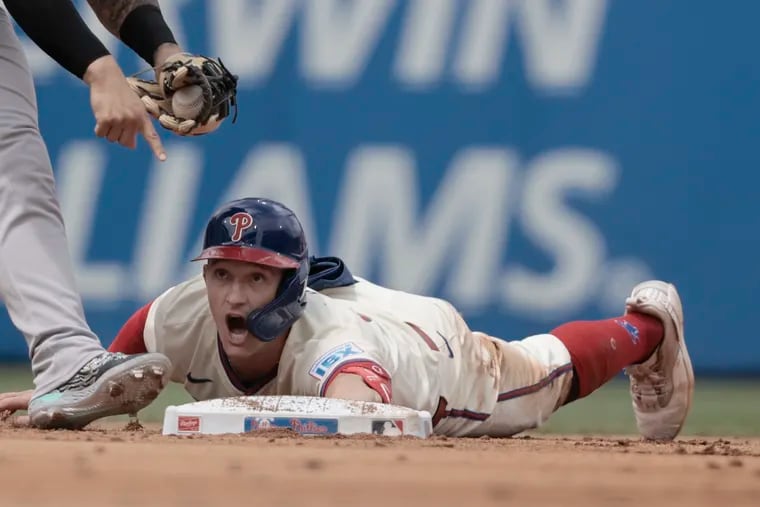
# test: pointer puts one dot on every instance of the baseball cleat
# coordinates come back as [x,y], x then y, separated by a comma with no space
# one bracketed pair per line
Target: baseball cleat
[662,387]
[109,384]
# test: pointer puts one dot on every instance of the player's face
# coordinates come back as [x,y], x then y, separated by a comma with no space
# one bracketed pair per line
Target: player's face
[236,288]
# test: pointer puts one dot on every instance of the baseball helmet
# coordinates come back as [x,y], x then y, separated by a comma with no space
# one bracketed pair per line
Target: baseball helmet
[263,231]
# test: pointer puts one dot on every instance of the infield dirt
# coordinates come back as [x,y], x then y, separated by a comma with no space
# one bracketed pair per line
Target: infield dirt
[112,465]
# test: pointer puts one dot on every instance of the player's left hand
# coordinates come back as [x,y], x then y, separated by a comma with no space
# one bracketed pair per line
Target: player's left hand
[11,402]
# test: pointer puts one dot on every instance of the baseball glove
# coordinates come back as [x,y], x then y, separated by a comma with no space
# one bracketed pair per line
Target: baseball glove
[218,90]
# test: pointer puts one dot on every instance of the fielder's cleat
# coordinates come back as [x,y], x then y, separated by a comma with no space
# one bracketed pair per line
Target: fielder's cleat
[662,386]
[109,384]
[115,389]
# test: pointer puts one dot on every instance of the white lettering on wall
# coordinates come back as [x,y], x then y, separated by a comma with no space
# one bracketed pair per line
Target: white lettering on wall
[464,41]
[453,241]
[338,37]
[459,237]
[249,35]
[571,240]
[169,206]
[424,39]
[81,167]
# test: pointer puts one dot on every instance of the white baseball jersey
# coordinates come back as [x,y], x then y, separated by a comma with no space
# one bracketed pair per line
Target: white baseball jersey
[434,362]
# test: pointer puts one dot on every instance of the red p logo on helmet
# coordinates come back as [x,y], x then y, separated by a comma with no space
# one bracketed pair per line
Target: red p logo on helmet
[241,221]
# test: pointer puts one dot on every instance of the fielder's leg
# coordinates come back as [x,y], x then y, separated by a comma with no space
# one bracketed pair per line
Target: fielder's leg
[35,271]
[36,275]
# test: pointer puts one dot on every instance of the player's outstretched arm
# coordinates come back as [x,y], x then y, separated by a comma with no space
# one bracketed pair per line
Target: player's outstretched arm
[140,25]
[58,29]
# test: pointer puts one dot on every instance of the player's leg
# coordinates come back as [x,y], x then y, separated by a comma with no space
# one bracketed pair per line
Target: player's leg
[36,274]
[649,342]
[489,386]
[535,376]
[541,373]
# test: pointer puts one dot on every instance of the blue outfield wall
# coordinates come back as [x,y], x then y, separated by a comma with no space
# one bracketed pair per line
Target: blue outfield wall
[528,160]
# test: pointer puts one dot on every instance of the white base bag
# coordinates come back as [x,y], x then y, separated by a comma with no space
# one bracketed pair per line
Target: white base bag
[305,415]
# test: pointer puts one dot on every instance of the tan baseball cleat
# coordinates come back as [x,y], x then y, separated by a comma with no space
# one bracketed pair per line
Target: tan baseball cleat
[662,387]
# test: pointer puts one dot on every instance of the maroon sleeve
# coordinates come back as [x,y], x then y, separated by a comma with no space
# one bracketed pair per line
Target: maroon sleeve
[130,339]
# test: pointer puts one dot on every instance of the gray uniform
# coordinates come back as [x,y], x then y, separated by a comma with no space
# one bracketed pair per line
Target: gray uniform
[37,280]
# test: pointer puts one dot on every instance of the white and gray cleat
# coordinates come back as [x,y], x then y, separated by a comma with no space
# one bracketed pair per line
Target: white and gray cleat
[109,384]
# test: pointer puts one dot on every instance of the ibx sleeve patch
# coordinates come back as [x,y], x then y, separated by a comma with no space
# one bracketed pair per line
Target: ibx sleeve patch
[333,357]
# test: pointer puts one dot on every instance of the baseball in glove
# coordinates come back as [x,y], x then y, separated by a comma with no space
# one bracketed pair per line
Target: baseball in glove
[209,90]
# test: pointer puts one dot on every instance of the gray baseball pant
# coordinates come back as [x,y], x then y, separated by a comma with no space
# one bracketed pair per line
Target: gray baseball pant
[37,280]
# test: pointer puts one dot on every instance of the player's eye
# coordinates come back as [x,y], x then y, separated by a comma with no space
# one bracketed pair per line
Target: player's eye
[221,274]
[258,278]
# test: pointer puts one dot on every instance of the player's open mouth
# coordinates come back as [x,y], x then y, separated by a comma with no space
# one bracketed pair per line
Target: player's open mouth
[237,328]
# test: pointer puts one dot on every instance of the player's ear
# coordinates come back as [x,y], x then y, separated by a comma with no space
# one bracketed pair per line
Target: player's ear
[205,270]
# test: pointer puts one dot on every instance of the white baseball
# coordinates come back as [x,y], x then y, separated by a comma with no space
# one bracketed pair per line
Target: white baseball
[187,102]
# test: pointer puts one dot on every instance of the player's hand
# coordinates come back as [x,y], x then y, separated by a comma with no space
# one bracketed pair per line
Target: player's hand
[11,402]
[119,114]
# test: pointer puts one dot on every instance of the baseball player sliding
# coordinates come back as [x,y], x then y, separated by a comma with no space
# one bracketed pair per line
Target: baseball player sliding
[76,380]
[265,318]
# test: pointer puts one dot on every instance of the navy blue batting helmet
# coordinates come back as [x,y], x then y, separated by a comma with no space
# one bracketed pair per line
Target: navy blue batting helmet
[263,231]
